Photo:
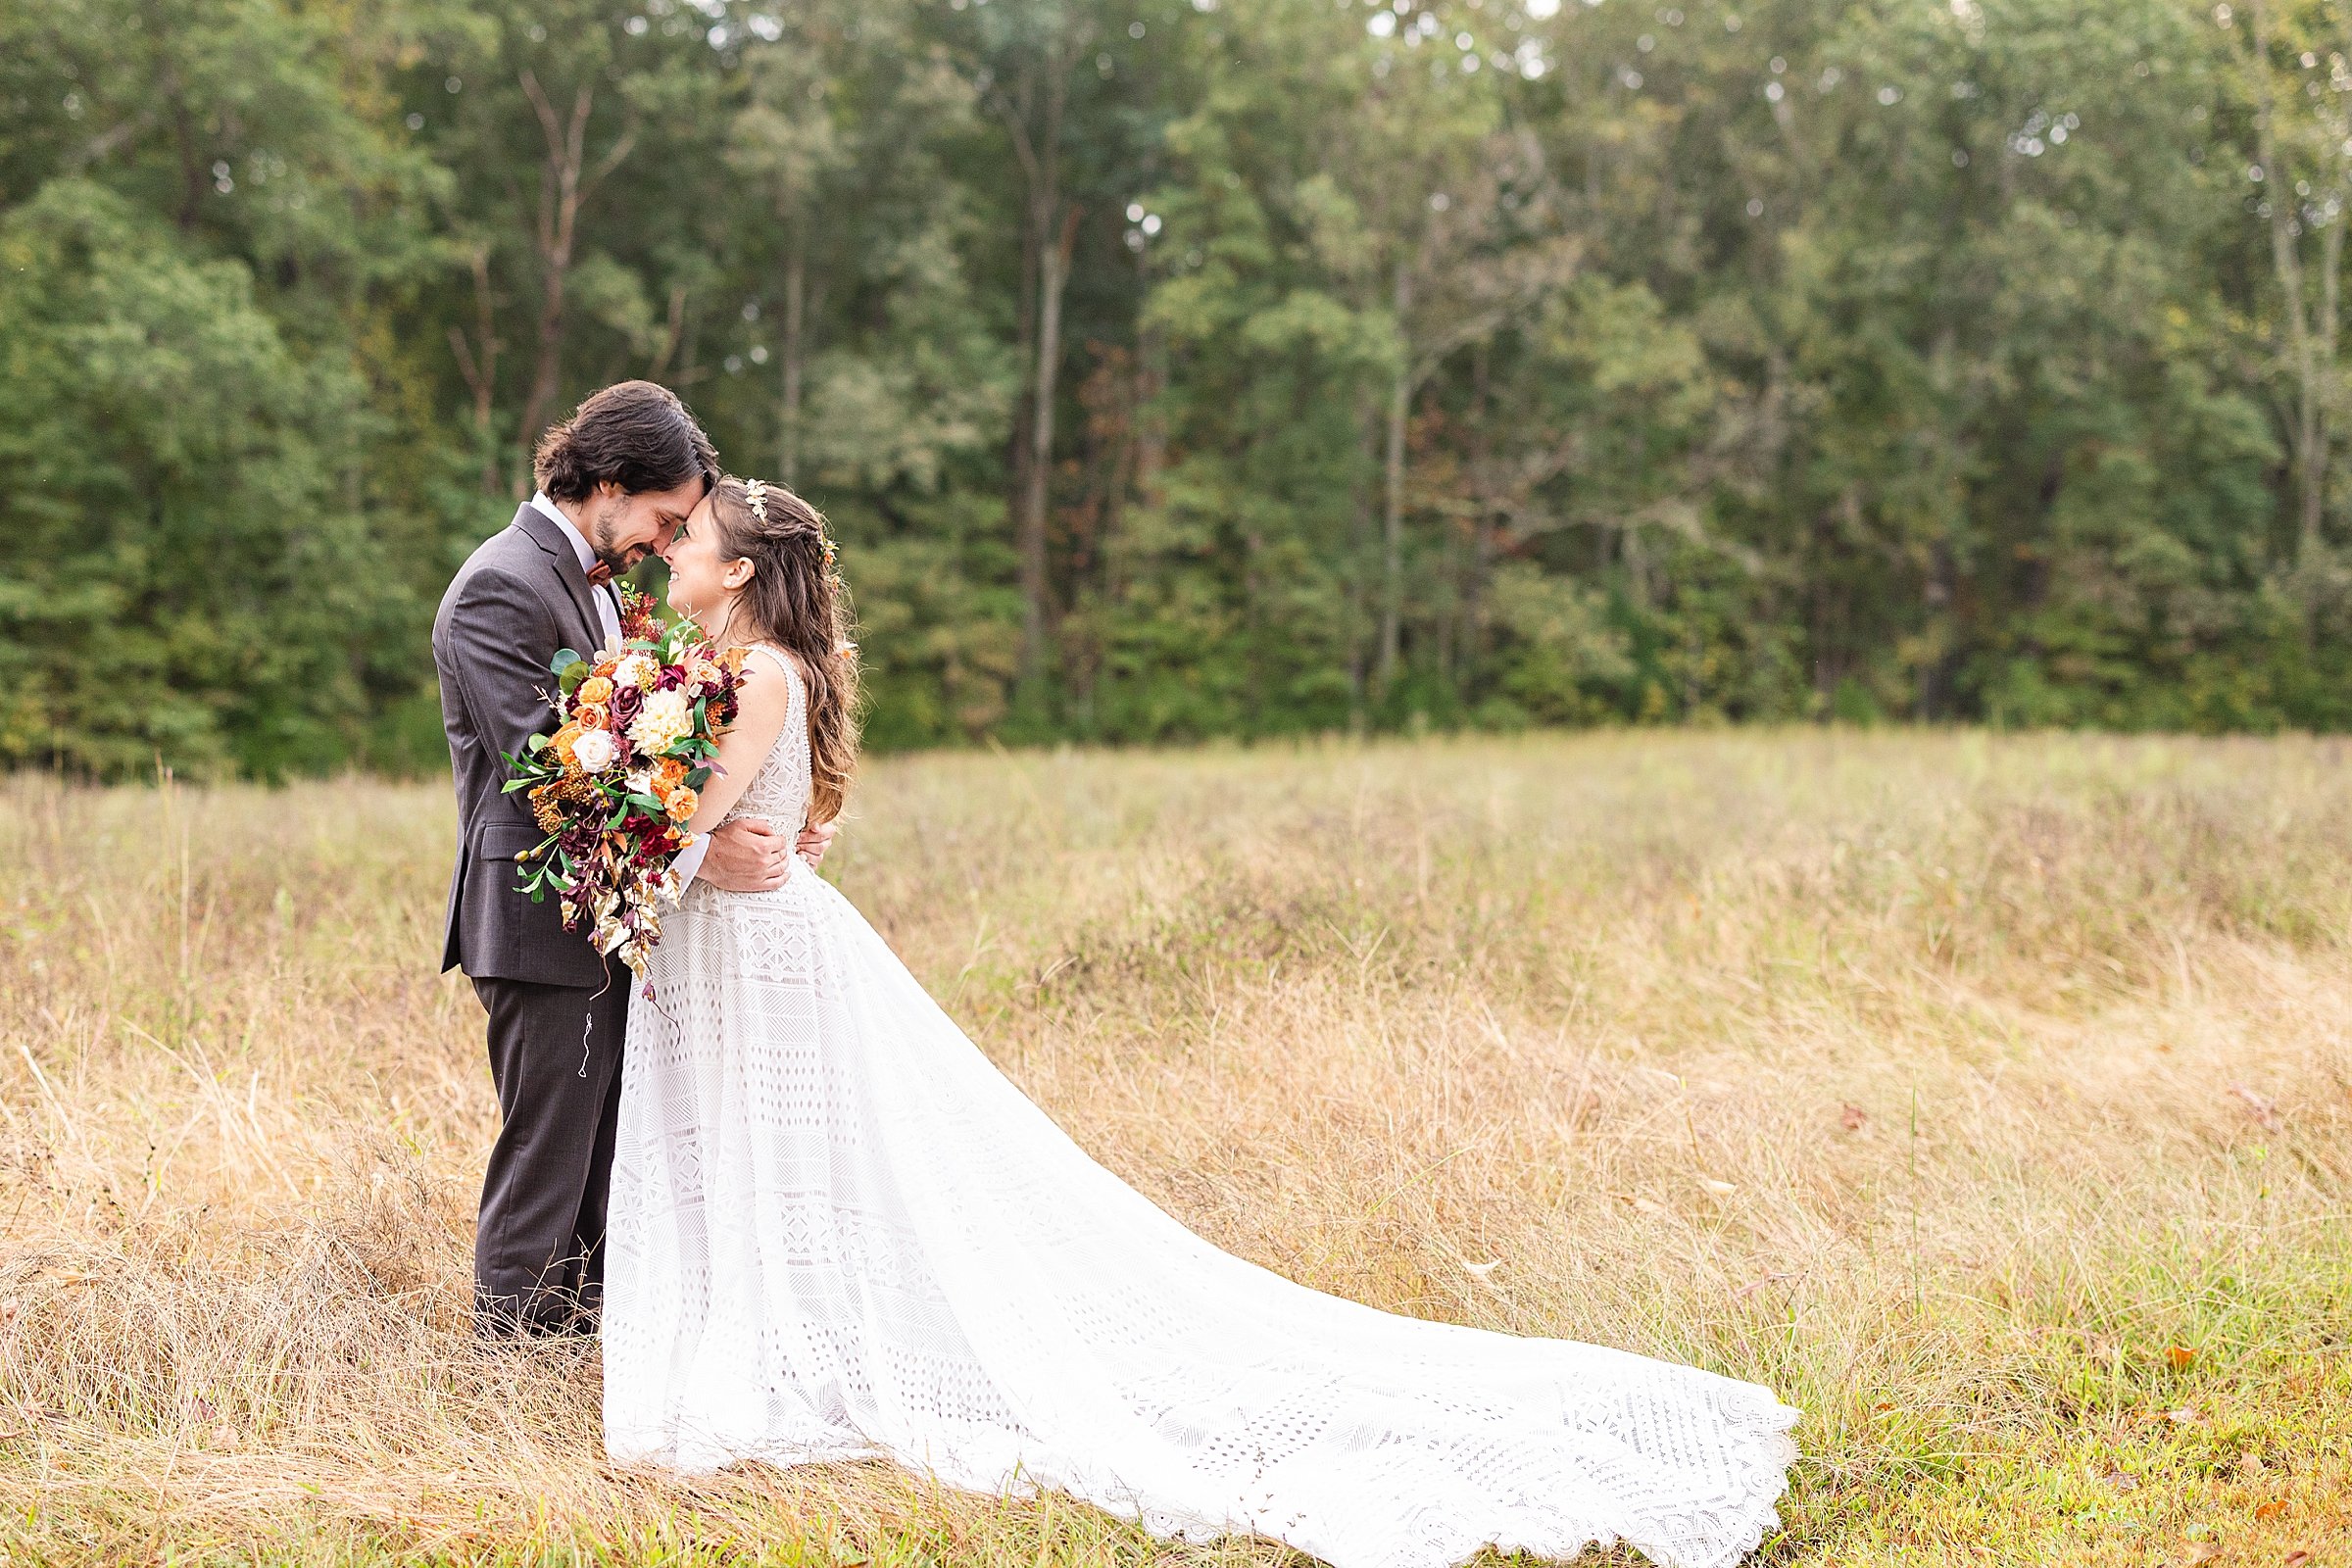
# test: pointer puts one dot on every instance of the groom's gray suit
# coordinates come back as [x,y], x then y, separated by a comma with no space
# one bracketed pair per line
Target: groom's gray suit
[555,1041]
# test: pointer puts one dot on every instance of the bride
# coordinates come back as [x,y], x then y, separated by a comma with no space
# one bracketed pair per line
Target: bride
[838,1232]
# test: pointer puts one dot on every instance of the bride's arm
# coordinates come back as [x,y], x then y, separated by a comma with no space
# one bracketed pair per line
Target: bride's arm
[763,702]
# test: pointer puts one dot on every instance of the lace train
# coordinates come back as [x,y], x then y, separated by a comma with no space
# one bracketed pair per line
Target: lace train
[838,1232]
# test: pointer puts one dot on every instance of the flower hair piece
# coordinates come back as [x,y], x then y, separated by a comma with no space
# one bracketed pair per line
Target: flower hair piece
[755,496]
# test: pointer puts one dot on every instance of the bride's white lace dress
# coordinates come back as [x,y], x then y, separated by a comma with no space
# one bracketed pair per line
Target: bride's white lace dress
[838,1232]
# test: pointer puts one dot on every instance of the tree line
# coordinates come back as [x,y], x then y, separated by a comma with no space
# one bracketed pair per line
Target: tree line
[1185,367]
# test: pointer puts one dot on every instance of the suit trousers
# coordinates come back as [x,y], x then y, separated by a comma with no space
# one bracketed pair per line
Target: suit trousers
[539,1250]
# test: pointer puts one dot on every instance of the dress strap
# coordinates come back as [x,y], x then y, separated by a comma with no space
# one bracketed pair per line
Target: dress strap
[784,660]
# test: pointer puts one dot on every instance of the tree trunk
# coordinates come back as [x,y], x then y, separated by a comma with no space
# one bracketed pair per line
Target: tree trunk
[674,335]
[1052,276]
[477,361]
[1828,612]
[194,179]
[1392,536]
[1046,263]
[564,184]
[2307,436]
[1481,533]
[796,290]
[1360,551]
[1150,424]
[1016,114]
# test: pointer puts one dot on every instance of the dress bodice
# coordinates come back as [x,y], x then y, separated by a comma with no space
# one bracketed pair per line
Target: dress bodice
[779,790]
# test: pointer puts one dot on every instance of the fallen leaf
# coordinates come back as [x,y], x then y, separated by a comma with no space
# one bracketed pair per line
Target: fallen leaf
[2203,1551]
[2271,1509]
[225,1437]
[1650,1205]
[1482,1270]
[1851,1117]
[2122,1482]
[2181,1417]
[2181,1356]
[2249,1466]
[1753,1286]
[1720,1189]
[1884,1405]
[2296,1559]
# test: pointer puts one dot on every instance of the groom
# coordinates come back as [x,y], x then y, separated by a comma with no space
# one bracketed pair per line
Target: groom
[616,480]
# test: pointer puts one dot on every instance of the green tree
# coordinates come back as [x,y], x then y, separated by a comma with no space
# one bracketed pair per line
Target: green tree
[188,583]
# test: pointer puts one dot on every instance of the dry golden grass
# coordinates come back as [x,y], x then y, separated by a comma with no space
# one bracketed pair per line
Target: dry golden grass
[1988,1098]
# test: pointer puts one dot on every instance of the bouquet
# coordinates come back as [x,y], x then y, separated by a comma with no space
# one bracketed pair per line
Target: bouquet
[615,784]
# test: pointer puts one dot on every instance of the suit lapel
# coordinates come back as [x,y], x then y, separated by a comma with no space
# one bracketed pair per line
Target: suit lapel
[550,539]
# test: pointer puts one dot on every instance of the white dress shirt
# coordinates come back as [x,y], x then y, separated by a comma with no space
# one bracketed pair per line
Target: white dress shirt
[608,605]
[608,614]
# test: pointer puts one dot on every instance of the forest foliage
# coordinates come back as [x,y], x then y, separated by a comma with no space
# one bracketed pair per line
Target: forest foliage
[1187,368]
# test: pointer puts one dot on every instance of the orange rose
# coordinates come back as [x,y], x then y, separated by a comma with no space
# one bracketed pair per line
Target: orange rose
[733,659]
[596,690]
[590,717]
[668,775]
[562,745]
[681,803]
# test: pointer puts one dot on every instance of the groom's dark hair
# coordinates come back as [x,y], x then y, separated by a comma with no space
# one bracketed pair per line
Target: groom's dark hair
[635,434]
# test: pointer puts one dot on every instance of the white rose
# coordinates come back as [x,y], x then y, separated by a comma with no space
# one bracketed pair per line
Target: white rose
[594,750]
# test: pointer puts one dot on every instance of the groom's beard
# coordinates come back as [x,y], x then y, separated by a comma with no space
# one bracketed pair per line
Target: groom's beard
[600,540]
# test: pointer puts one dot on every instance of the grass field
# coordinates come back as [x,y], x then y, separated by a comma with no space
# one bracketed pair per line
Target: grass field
[1990,1098]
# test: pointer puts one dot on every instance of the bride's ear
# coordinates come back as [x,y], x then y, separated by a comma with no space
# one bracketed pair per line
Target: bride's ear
[734,580]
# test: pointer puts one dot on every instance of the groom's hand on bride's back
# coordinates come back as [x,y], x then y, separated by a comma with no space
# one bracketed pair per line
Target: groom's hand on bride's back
[747,857]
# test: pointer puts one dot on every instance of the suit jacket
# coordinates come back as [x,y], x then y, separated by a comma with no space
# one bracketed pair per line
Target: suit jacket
[518,599]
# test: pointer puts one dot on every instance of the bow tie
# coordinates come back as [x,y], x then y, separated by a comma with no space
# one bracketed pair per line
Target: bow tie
[599,574]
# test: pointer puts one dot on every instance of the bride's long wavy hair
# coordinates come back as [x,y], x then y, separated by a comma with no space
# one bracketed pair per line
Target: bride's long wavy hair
[797,600]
